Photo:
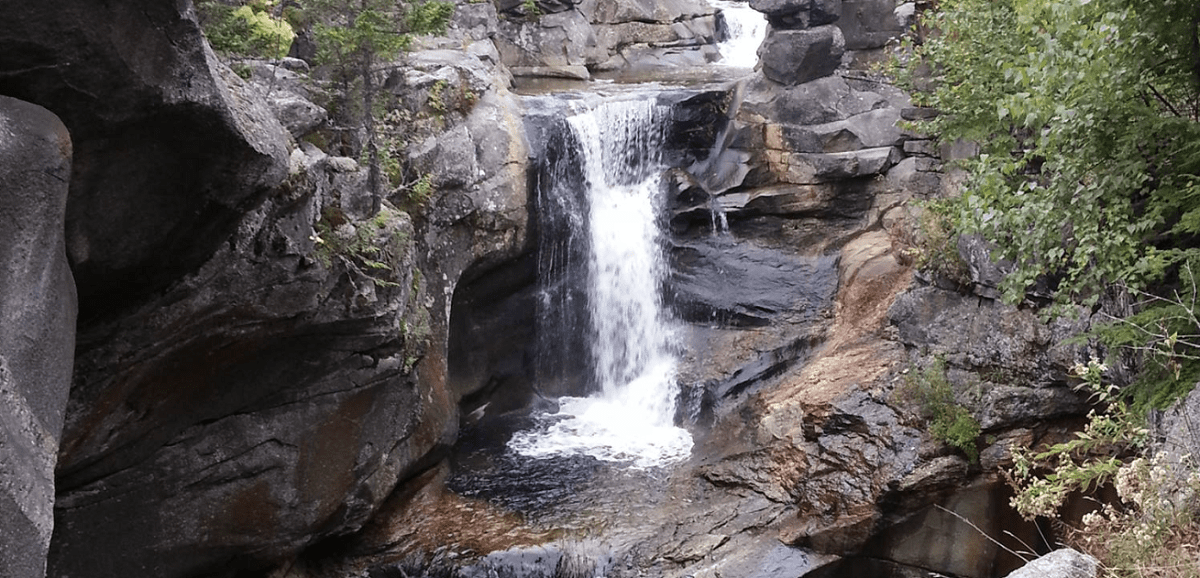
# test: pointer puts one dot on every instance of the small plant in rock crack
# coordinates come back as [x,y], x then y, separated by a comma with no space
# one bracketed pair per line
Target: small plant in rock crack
[929,394]
[336,237]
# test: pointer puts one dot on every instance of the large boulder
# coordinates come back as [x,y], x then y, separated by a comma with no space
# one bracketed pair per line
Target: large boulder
[820,101]
[560,45]
[792,57]
[171,147]
[799,13]
[573,40]
[870,23]
[37,328]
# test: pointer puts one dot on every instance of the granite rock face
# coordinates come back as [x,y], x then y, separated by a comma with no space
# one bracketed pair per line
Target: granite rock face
[260,361]
[869,24]
[573,40]
[171,147]
[37,328]
[254,407]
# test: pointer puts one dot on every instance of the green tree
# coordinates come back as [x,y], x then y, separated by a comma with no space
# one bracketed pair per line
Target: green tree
[247,30]
[1086,113]
[354,37]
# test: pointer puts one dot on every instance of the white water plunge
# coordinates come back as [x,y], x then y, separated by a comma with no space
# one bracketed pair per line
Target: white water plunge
[633,341]
[747,28]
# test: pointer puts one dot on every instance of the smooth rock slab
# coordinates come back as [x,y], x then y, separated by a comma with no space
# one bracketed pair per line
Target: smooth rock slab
[37,328]
[813,168]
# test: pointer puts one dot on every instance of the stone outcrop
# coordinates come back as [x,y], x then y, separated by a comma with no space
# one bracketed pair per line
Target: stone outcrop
[254,407]
[869,24]
[171,147]
[575,39]
[797,56]
[37,328]
[260,361]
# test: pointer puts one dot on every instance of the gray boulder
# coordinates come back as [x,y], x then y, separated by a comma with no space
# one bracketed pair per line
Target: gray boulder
[986,273]
[876,128]
[617,11]
[37,328]
[561,44]
[792,57]
[819,101]
[289,94]
[869,23]
[794,14]
[814,168]
[1064,563]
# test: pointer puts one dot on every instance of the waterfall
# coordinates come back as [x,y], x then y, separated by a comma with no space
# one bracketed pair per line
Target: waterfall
[630,342]
[745,30]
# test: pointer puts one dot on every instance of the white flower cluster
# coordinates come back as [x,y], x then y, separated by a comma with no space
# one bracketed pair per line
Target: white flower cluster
[1093,368]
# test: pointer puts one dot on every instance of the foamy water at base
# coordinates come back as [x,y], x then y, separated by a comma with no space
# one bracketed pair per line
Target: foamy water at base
[605,431]
[610,430]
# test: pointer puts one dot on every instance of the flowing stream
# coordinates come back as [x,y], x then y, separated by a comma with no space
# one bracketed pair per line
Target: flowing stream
[745,30]
[630,346]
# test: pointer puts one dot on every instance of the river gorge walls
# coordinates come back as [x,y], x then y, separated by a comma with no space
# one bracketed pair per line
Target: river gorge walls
[265,377]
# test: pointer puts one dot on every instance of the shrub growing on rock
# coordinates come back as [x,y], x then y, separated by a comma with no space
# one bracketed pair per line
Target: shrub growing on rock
[931,396]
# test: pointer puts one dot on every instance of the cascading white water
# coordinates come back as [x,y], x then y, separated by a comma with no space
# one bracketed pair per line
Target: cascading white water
[746,30]
[632,339]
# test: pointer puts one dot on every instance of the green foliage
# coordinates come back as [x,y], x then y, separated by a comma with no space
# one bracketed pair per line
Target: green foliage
[358,243]
[929,393]
[1086,113]
[1043,479]
[933,243]
[248,30]
[436,100]
[347,34]
[531,9]
[420,190]
[1154,529]
[353,39]
[1165,333]
[430,17]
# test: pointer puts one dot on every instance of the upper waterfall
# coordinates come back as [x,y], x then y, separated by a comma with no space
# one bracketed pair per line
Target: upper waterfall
[745,29]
